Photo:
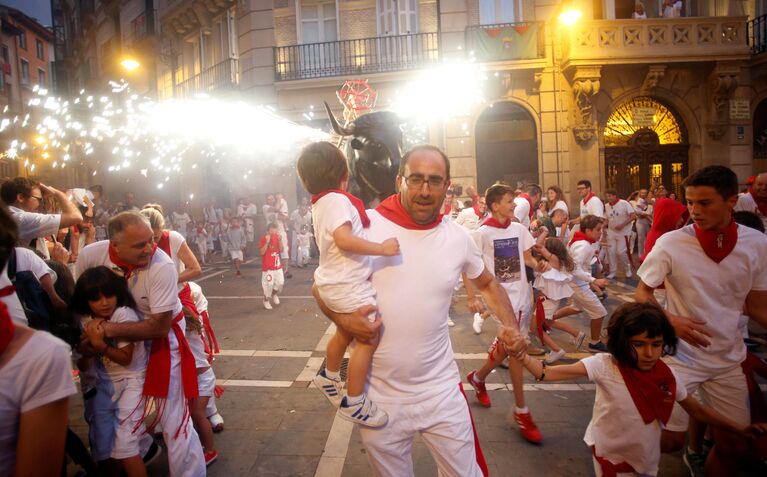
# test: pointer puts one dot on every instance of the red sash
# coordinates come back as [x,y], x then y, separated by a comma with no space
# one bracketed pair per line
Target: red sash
[588,198]
[540,318]
[717,244]
[357,203]
[493,222]
[531,213]
[652,391]
[6,325]
[608,468]
[391,208]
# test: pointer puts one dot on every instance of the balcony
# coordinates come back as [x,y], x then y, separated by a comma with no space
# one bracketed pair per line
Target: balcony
[356,57]
[660,40]
[506,42]
[757,34]
[223,76]
[141,28]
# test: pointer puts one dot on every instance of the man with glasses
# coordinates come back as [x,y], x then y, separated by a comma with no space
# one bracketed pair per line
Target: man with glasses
[24,197]
[590,204]
[413,376]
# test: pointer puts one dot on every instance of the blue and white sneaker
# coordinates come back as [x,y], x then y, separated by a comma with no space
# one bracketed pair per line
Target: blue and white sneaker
[364,413]
[330,388]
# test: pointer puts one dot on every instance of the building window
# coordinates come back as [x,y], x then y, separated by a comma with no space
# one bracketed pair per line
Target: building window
[492,12]
[40,49]
[318,23]
[6,55]
[41,78]
[397,17]
[24,71]
[23,40]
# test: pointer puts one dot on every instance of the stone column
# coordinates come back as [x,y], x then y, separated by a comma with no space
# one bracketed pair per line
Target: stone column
[255,28]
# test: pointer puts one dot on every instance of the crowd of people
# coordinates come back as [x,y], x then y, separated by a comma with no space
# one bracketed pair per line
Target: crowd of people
[111,290]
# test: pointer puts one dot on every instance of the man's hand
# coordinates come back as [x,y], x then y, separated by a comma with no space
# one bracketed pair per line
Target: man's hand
[601,282]
[60,253]
[512,339]
[95,333]
[390,247]
[475,305]
[359,326]
[692,330]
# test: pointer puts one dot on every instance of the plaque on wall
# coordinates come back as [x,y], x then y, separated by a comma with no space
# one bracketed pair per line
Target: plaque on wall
[643,117]
[740,109]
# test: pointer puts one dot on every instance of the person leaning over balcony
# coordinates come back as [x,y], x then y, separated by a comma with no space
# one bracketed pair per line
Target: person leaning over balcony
[672,8]
[639,13]
[24,197]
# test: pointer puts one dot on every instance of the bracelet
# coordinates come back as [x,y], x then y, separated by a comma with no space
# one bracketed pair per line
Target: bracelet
[543,371]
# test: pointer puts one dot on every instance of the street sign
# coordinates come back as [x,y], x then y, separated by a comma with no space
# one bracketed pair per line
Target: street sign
[643,117]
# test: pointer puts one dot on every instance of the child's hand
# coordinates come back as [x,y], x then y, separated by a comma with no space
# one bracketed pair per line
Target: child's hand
[755,430]
[390,247]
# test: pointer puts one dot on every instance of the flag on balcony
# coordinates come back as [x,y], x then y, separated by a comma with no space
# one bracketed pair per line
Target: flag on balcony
[515,42]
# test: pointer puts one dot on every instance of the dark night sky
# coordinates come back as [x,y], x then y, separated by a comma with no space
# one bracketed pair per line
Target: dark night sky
[40,9]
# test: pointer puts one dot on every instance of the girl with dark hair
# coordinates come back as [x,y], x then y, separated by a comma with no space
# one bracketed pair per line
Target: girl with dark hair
[635,392]
[113,377]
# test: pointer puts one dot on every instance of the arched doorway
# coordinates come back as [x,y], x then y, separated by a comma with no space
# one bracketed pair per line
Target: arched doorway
[507,148]
[645,146]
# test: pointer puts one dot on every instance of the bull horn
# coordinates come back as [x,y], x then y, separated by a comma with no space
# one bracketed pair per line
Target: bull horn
[341,131]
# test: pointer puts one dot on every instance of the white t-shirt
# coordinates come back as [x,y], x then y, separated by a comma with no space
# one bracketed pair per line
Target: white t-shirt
[336,266]
[40,373]
[618,214]
[137,366]
[33,225]
[153,287]
[503,254]
[593,207]
[26,261]
[15,309]
[414,359]
[616,428]
[522,211]
[468,219]
[698,287]
[583,254]
[560,205]
[746,202]
[193,337]
[299,221]
[176,240]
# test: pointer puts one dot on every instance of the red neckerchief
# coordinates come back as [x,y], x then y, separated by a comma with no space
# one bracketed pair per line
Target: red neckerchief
[588,198]
[612,204]
[164,243]
[356,202]
[391,208]
[717,244]
[580,236]
[531,213]
[6,328]
[761,204]
[125,267]
[476,211]
[652,391]
[448,208]
[493,222]
[608,468]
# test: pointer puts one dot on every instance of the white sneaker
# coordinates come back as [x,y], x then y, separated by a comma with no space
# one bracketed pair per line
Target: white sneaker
[276,299]
[578,340]
[365,413]
[450,322]
[628,274]
[330,388]
[267,305]
[555,356]
[478,322]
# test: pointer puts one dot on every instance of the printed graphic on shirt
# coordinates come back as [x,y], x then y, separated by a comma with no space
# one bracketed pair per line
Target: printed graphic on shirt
[506,256]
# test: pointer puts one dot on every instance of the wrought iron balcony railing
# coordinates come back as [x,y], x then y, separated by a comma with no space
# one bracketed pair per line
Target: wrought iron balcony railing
[354,57]
[220,77]
[757,34]
[506,41]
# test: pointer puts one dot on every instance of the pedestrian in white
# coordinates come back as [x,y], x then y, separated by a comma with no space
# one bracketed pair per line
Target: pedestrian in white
[643,209]
[300,221]
[527,204]
[755,198]
[472,217]
[620,215]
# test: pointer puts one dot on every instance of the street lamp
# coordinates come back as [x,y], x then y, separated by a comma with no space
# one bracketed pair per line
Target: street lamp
[570,16]
[129,64]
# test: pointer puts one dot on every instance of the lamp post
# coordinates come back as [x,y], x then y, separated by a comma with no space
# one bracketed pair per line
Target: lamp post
[130,64]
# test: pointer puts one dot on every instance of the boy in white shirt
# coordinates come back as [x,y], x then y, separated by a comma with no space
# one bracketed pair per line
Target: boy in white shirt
[342,277]
[710,270]
[506,248]
[620,215]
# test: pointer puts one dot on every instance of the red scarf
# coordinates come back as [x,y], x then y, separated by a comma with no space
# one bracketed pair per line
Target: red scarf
[493,222]
[588,198]
[476,211]
[608,468]
[652,391]
[6,328]
[761,204]
[127,268]
[580,236]
[391,208]
[357,203]
[531,213]
[612,202]
[717,244]
[164,243]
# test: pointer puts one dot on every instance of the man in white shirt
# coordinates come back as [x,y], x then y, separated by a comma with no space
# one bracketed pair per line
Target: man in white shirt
[755,199]
[527,204]
[23,197]
[644,220]
[152,279]
[413,376]
[471,218]
[300,220]
[620,215]
[711,271]
[590,204]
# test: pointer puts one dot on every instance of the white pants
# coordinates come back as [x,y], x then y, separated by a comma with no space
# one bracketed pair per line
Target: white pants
[284,253]
[271,282]
[585,299]
[642,229]
[185,457]
[206,383]
[444,423]
[617,251]
[127,398]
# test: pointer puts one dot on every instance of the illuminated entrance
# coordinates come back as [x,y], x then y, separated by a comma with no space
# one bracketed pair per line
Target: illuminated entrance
[645,146]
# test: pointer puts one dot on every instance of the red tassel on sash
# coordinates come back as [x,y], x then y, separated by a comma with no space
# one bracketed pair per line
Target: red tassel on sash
[608,468]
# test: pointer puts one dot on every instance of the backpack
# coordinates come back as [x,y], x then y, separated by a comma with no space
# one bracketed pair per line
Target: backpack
[35,301]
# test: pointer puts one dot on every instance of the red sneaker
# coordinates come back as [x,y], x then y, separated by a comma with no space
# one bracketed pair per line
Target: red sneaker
[479,390]
[527,428]
[210,457]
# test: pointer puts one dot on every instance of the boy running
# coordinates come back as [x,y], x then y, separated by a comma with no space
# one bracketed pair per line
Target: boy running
[272,278]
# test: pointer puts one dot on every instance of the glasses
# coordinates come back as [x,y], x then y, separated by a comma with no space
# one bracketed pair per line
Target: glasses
[39,199]
[417,181]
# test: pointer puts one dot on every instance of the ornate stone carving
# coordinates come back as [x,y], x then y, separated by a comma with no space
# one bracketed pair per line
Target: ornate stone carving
[723,82]
[655,73]
[585,87]
[535,88]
